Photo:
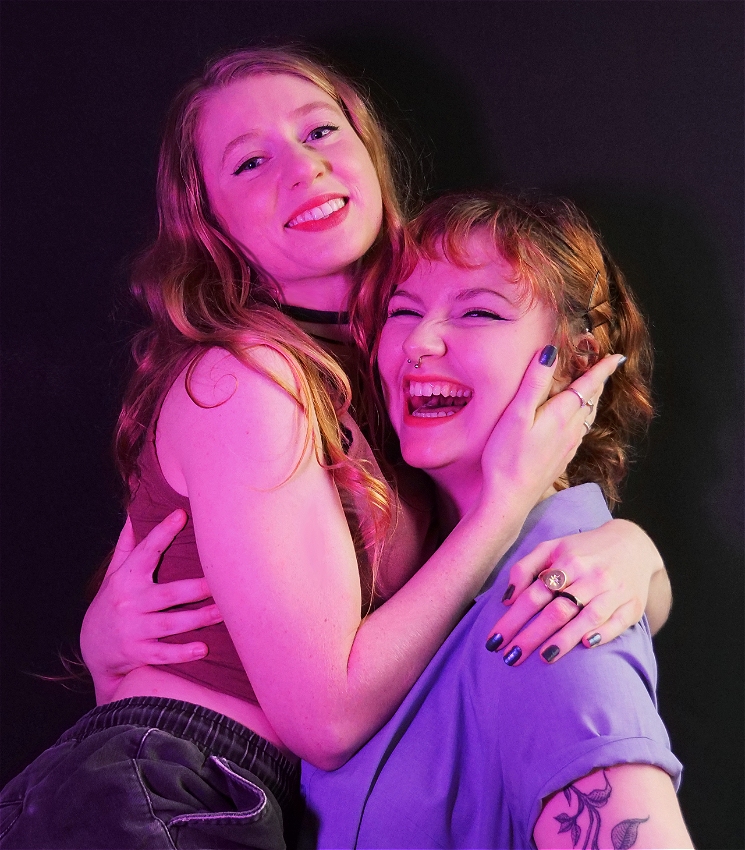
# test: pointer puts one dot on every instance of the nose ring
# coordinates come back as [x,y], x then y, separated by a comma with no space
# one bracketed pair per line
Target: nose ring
[418,362]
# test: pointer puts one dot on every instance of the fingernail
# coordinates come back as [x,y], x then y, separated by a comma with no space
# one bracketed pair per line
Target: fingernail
[508,593]
[512,656]
[199,652]
[494,642]
[550,652]
[623,359]
[548,355]
[594,640]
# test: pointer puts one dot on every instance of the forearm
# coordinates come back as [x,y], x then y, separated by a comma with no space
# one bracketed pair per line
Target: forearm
[395,643]
[660,600]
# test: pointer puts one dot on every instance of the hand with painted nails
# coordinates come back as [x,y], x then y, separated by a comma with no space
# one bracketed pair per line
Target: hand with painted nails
[129,614]
[541,427]
[611,575]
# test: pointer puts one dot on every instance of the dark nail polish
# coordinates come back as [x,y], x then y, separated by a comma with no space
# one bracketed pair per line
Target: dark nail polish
[513,655]
[594,640]
[494,642]
[550,652]
[548,355]
[508,593]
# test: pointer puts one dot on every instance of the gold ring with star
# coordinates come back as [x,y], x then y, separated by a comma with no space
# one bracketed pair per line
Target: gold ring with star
[554,579]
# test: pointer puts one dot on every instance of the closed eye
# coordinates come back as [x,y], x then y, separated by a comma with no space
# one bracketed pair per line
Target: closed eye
[483,314]
[321,132]
[402,311]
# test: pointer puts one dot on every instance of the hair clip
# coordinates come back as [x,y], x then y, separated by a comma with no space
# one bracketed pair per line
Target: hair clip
[590,324]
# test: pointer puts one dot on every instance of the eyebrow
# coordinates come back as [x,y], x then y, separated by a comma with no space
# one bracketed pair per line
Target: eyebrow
[463,295]
[300,112]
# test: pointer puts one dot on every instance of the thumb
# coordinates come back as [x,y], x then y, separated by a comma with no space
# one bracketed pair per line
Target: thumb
[536,383]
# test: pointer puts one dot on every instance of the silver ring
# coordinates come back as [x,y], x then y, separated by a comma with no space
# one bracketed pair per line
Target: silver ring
[590,404]
[588,426]
[582,402]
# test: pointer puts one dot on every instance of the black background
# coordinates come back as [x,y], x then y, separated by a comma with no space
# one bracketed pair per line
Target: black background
[634,109]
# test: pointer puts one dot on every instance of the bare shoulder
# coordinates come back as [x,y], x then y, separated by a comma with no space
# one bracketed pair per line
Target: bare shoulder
[217,375]
[624,806]
[223,409]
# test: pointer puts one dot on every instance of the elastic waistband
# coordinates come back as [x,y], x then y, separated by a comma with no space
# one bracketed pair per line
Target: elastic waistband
[220,735]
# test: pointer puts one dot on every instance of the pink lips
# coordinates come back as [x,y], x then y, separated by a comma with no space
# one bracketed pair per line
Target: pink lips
[328,211]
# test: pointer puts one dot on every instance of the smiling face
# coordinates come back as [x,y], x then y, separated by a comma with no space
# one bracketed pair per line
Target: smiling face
[475,332]
[292,183]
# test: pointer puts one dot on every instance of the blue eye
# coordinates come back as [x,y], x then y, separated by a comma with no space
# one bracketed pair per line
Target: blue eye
[250,164]
[321,132]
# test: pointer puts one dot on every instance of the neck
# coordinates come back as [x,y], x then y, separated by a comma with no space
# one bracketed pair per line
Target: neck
[329,293]
[460,491]
[457,493]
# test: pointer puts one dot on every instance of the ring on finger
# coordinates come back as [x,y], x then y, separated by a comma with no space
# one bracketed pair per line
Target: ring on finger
[570,596]
[582,402]
[589,403]
[554,579]
[587,426]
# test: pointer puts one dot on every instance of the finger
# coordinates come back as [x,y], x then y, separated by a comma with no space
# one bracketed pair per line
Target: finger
[124,546]
[621,619]
[535,384]
[173,593]
[591,383]
[146,555]
[551,622]
[178,622]
[524,572]
[599,622]
[156,652]
[531,601]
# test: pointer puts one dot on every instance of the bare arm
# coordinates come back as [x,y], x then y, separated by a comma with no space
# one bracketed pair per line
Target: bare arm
[289,592]
[632,805]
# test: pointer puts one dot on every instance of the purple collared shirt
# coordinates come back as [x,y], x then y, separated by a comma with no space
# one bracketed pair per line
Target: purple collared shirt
[476,746]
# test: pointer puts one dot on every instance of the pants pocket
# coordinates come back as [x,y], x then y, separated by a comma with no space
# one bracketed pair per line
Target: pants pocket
[250,801]
[213,804]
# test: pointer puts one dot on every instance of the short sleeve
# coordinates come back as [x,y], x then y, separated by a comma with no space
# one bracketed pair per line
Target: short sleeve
[595,708]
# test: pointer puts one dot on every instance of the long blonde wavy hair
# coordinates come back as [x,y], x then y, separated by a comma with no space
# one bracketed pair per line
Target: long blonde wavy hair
[199,290]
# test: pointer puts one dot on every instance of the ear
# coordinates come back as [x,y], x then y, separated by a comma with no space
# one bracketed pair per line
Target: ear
[577,362]
[587,352]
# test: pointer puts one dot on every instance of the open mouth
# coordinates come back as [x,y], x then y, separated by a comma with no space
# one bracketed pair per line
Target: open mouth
[320,212]
[436,399]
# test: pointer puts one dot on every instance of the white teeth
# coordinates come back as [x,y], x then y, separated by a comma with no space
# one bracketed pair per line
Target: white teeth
[322,211]
[418,388]
[433,414]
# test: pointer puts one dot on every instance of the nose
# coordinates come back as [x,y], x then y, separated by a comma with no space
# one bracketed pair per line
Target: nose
[425,340]
[304,164]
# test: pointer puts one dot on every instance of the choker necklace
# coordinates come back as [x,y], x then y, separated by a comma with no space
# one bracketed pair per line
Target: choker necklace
[316,317]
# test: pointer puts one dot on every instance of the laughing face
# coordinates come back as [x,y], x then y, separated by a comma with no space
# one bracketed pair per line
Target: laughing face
[472,332]
[289,179]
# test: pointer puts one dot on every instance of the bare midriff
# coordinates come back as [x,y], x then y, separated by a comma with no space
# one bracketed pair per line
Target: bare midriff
[153,682]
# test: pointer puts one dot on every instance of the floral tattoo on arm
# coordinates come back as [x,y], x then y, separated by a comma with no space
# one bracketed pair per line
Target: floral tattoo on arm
[623,834]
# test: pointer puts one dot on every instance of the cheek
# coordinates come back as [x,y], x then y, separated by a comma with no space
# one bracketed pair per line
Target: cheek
[388,361]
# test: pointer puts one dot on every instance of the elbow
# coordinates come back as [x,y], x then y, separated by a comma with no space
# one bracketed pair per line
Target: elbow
[329,745]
